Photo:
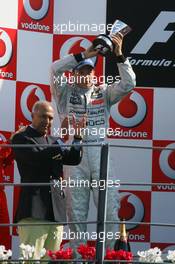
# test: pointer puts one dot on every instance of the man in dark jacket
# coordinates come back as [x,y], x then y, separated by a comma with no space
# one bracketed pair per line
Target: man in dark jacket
[38,164]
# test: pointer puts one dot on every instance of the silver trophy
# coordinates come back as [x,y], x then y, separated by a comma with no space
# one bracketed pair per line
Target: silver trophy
[104,42]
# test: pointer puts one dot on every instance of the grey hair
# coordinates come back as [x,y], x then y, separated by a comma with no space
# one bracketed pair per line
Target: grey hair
[39,104]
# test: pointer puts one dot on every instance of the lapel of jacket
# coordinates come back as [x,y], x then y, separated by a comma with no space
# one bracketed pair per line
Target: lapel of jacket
[38,140]
[36,137]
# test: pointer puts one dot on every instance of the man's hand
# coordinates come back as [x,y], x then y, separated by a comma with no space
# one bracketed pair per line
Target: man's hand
[79,126]
[65,129]
[90,52]
[118,40]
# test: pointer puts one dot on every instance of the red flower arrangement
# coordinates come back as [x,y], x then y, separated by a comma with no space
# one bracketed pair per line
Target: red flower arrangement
[118,255]
[6,158]
[89,253]
[86,252]
[61,254]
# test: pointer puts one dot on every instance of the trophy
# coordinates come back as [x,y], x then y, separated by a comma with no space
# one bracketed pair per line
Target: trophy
[104,43]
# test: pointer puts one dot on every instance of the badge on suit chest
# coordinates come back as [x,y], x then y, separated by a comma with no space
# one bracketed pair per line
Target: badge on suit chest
[75,99]
[96,95]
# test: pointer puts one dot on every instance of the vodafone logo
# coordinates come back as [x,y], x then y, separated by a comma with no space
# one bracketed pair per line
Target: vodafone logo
[5,48]
[30,95]
[36,9]
[74,45]
[129,112]
[167,161]
[132,209]
[165,250]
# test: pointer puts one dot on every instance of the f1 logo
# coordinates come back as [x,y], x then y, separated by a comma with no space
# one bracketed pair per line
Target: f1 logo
[156,32]
[6,48]
[36,12]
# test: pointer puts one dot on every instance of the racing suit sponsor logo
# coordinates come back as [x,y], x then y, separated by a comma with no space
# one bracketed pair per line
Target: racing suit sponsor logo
[90,112]
[95,122]
[75,100]
[96,95]
[99,101]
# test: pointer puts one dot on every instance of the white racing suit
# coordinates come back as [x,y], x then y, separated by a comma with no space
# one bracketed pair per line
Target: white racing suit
[96,102]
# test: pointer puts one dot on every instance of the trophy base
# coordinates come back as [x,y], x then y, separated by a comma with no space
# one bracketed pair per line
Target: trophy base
[104,44]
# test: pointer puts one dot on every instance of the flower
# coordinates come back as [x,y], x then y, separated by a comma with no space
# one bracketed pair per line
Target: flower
[86,252]
[110,254]
[124,255]
[118,255]
[6,157]
[152,255]
[171,255]
[27,251]
[4,152]
[5,254]
[42,253]
[61,254]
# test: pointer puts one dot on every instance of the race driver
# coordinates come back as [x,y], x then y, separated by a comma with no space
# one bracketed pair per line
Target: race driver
[84,97]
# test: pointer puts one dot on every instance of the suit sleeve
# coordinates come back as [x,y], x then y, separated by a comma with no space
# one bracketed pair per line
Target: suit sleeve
[34,154]
[118,90]
[73,155]
[58,81]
